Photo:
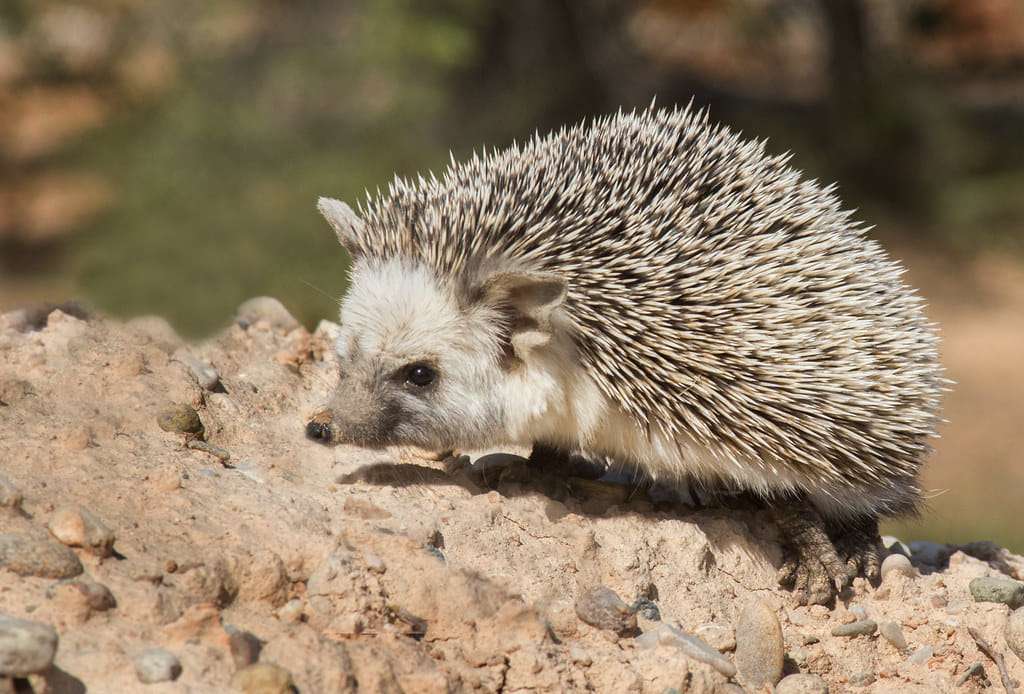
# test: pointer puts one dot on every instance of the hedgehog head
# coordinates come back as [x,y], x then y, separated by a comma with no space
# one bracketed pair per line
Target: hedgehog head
[440,363]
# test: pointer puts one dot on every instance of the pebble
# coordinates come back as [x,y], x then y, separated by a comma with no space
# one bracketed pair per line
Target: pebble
[862,678]
[600,607]
[997,589]
[266,308]
[975,669]
[245,648]
[921,655]
[759,646]
[32,556]
[893,633]
[647,609]
[721,638]
[77,527]
[95,596]
[10,496]
[180,418]
[1014,632]
[858,611]
[204,373]
[157,665]
[862,627]
[25,647]
[263,678]
[802,684]
[896,564]
[691,646]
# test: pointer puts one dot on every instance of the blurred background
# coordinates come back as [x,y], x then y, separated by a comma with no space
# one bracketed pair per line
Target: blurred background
[164,156]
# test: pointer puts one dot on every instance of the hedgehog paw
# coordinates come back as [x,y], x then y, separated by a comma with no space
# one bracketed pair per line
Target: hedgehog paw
[862,547]
[812,567]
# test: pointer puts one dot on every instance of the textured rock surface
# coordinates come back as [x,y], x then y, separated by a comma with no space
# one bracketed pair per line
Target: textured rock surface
[358,570]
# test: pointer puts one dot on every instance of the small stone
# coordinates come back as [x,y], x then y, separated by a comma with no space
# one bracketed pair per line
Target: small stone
[245,648]
[721,638]
[862,627]
[268,309]
[647,609]
[600,607]
[180,418]
[897,564]
[997,589]
[802,684]
[1014,632]
[263,678]
[975,669]
[32,556]
[921,655]
[893,633]
[204,373]
[83,593]
[691,646]
[77,527]
[10,496]
[759,646]
[157,665]
[862,678]
[25,647]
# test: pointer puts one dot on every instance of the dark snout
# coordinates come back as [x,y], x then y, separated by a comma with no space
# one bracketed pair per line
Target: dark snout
[319,428]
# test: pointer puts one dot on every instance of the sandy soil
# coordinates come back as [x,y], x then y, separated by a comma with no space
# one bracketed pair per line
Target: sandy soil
[388,571]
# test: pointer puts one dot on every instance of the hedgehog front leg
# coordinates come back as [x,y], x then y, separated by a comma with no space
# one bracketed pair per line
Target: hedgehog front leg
[861,545]
[811,567]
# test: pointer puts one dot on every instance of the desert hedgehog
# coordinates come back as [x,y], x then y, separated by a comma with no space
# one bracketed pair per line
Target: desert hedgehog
[651,288]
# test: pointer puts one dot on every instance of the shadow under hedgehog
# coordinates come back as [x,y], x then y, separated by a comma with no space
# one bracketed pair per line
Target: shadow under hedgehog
[651,288]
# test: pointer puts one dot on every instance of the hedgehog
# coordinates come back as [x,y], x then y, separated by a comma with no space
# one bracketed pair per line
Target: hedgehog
[650,288]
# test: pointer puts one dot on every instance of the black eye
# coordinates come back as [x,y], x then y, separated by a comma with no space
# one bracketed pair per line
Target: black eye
[420,375]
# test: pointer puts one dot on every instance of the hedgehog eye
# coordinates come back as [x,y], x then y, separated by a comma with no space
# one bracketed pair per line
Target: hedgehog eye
[420,375]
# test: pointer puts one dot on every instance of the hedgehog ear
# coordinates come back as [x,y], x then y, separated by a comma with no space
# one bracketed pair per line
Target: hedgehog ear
[344,221]
[529,298]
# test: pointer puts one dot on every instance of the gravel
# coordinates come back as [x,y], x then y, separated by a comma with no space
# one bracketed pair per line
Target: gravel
[25,647]
[802,684]
[1014,632]
[862,627]
[78,527]
[600,607]
[157,665]
[28,555]
[998,589]
[760,649]
[893,633]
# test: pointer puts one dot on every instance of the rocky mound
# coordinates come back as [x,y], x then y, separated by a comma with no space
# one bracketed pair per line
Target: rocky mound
[165,526]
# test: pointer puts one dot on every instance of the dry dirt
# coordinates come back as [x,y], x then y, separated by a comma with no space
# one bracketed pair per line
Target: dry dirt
[390,572]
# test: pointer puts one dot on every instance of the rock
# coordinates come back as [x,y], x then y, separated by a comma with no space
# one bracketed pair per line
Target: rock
[33,556]
[691,646]
[862,627]
[157,330]
[25,647]
[1014,632]
[82,594]
[998,589]
[263,678]
[921,655]
[181,419]
[600,607]
[10,496]
[204,373]
[77,527]
[759,646]
[268,309]
[157,665]
[647,609]
[245,648]
[801,684]
[721,638]
[974,670]
[893,633]
[897,564]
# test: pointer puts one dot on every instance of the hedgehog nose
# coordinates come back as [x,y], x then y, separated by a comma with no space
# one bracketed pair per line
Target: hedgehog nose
[319,432]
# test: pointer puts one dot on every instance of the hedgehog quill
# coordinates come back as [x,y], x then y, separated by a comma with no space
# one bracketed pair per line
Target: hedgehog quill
[651,288]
